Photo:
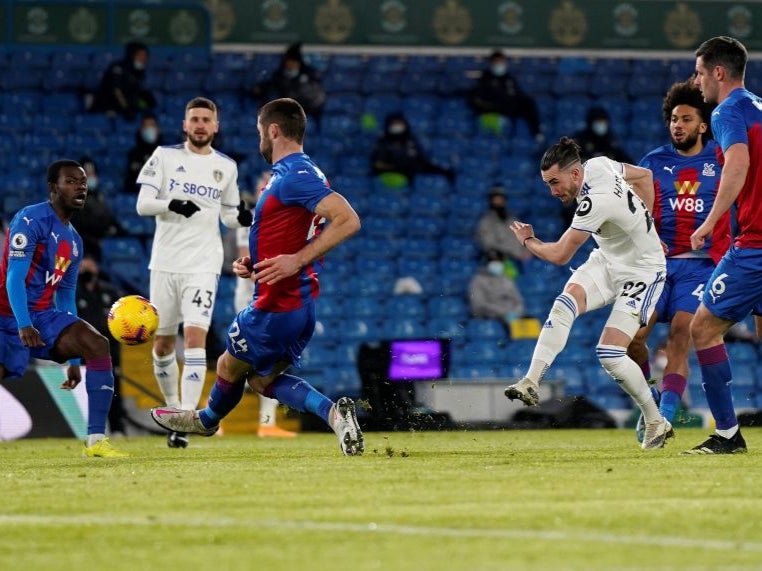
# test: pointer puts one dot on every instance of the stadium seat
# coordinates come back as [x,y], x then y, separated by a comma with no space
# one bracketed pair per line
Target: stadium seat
[364,306]
[404,328]
[480,329]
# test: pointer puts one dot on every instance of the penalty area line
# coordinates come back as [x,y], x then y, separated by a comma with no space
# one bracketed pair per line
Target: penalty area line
[387,529]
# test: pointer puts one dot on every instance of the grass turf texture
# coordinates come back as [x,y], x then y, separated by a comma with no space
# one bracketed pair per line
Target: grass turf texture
[433,500]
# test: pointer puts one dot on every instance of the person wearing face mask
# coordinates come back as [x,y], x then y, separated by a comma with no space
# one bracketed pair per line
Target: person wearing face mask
[297,80]
[95,296]
[597,139]
[397,152]
[493,231]
[494,295]
[122,90]
[147,138]
[95,220]
[497,91]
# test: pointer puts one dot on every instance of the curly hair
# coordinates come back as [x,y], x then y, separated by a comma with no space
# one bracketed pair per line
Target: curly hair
[686,93]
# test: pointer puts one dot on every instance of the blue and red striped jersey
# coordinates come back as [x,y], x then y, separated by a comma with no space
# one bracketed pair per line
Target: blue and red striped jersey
[738,120]
[686,187]
[37,236]
[285,222]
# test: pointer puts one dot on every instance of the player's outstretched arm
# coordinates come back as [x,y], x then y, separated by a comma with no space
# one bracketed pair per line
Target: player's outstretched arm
[559,252]
[642,182]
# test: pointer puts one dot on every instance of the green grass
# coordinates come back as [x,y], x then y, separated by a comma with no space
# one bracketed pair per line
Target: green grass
[433,500]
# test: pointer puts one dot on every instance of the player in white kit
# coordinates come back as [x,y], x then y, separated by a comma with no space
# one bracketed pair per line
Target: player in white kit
[626,270]
[188,188]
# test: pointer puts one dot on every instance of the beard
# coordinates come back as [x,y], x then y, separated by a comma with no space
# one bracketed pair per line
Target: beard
[200,141]
[266,149]
[689,140]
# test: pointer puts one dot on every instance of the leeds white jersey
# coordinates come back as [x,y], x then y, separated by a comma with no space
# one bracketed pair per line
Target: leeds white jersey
[189,245]
[617,218]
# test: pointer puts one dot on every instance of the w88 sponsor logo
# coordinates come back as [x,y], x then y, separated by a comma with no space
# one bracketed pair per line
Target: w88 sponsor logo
[687,204]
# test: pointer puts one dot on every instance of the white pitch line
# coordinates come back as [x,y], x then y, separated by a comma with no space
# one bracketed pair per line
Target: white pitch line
[389,529]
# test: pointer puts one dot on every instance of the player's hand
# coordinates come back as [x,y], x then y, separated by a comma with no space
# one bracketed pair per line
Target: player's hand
[242,267]
[245,217]
[73,377]
[698,238]
[30,337]
[185,208]
[522,231]
[273,270]
[664,247]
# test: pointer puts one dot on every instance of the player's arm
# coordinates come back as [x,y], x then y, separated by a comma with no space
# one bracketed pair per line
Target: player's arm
[15,285]
[733,177]
[641,180]
[559,252]
[233,211]
[343,222]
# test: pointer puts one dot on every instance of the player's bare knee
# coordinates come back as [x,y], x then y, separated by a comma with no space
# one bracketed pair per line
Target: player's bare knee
[95,345]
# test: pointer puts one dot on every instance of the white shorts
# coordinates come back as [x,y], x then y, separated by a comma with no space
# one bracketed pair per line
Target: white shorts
[183,298]
[633,292]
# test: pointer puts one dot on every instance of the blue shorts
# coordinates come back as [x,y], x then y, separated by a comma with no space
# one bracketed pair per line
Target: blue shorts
[735,287]
[14,356]
[264,338]
[686,278]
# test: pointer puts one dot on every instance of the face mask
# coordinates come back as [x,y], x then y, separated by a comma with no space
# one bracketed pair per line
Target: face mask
[139,65]
[501,211]
[495,267]
[149,134]
[600,128]
[92,182]
[291,73]
[499,69]
[87,276]
[396,129]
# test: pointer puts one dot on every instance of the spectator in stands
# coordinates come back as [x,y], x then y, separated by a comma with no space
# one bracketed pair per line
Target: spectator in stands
[297,80]
[397,153]
[597,138]
[494,233]
[492,294]
[122,90]
[497,91]
[95,296]
[95,220]
[147,138]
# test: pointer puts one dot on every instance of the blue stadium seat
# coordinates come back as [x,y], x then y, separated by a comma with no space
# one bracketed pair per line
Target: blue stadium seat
[364,306]
[368,285]
[447,328]
[220,80]
[350,103]
[404,328]
[459,248]
[742,354]
[341,81]
[485,329]
[15,79]
[572,377]
[360,330]
[406,306]
[420,224]
[124,248]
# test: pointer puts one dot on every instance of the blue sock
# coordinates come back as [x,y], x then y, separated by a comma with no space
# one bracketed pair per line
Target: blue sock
[298,394]
[716,377]
[99,384]
[668,404]
[223,398]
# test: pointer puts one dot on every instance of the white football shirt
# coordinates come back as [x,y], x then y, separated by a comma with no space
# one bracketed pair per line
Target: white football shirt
[180,244]
[617,218]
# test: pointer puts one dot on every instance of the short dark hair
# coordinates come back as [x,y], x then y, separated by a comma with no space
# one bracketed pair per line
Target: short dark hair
[686,93]
[564,153]
[727,52]
[201,103]
[288,115]
[54,169]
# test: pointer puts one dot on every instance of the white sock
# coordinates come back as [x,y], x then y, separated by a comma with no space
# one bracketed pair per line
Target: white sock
[554,335]
[267,408]
[93,438]
[630,377]
[194,374]
[166,372]
[728,432]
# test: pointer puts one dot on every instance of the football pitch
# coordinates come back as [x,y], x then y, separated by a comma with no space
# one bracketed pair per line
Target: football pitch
[561,499]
